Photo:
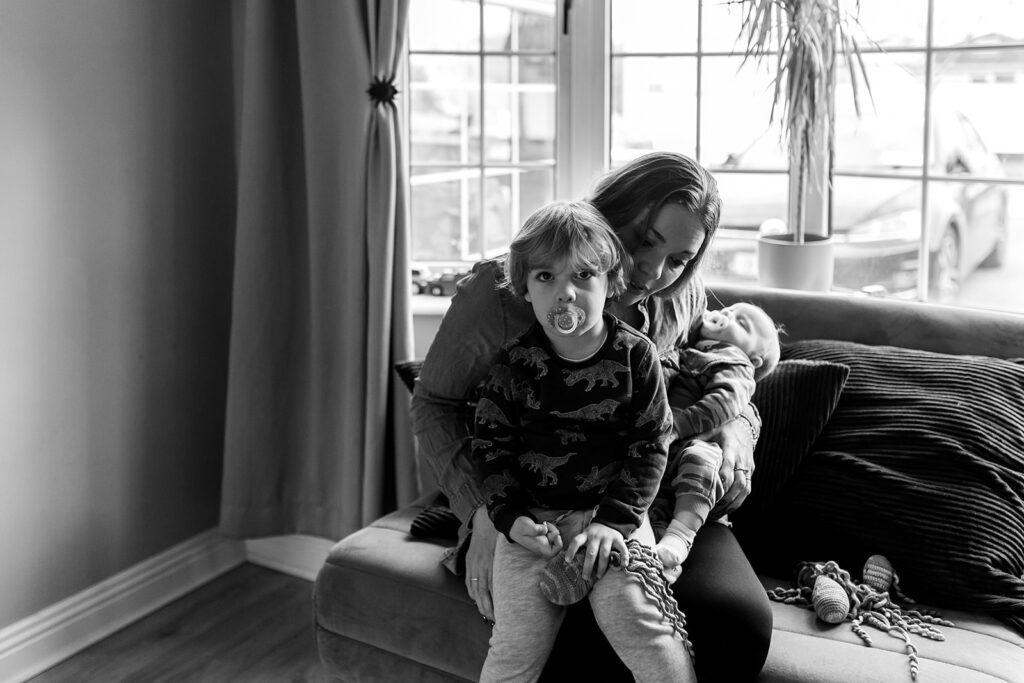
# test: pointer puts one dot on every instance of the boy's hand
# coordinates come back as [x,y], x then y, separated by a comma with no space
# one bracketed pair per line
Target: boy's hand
[600,540]
[541,538]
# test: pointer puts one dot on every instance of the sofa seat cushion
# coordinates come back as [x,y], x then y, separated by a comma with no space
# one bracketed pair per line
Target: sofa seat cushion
[804,648]
[383,594]
[386,610]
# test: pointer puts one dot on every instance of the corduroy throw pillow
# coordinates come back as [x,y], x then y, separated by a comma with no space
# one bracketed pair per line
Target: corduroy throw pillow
[795,402]
[922,461]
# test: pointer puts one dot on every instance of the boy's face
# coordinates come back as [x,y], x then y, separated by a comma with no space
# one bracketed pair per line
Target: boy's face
[741,325]
[559,294]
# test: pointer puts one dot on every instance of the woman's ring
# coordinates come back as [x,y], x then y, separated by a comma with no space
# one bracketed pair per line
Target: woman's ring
[744,470]
[474,579]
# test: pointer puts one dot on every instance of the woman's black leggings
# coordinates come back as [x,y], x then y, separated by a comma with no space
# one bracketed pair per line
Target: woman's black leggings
[728,617]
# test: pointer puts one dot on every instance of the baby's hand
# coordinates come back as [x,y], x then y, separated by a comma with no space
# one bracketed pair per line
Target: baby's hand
[541,538]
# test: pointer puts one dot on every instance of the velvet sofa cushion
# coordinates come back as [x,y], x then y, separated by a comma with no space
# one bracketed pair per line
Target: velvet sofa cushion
[921,461]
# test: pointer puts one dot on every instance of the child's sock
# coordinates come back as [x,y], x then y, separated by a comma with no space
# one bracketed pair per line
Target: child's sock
[675,545]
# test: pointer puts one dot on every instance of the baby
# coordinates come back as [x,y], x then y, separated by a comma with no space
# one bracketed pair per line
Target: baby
[738,345]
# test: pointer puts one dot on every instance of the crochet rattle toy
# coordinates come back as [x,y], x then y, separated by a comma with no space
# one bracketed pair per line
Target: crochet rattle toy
[835,597]
[563,583]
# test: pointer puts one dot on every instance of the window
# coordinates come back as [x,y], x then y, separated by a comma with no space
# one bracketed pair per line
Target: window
[482,118]
[507,110]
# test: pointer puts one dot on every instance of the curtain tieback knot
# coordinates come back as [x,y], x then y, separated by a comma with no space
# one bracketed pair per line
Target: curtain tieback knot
[382,91]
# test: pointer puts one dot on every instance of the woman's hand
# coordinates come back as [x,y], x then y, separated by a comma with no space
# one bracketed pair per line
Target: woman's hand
[479,560]
[737,470]
[599,540]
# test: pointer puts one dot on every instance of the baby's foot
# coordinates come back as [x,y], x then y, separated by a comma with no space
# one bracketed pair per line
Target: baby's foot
[672,552]
[563,583]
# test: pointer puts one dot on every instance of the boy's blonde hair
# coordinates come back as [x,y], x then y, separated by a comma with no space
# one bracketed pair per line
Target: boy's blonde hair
[573,231]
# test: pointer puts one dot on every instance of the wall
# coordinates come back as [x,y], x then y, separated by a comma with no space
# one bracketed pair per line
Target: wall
[116,228]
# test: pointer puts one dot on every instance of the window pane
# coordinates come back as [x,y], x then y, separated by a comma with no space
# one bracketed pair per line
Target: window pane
[889,23]
[997,281]
[876,226]
[654,25]
[445,102]
[978,22]
[510,196]
[987,87]
[520,109]
[735,107]
[447,25]
[722,22]
[748,199]
[654,104]
[969,225]
[444,207]
[514,26]
[888,136]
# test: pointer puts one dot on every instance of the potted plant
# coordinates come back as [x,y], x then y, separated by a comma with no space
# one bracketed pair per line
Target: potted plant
[803,39]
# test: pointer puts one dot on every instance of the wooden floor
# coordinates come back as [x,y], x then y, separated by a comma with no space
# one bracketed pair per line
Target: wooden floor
[252,624]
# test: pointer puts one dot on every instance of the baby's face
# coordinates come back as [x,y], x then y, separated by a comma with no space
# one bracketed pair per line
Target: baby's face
[742,325]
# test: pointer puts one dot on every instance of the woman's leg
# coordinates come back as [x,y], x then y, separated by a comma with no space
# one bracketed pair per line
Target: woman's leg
[525,623]
[728,614]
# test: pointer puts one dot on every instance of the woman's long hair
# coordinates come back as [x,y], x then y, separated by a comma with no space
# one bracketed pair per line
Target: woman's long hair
[642,186]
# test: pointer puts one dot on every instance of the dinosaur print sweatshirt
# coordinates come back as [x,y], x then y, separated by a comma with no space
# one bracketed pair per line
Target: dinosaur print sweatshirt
[557,434]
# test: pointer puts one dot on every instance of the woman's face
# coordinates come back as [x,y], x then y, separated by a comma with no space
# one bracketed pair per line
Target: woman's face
[660,254]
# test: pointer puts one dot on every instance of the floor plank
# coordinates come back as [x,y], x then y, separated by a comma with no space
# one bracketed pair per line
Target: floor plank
[251,624]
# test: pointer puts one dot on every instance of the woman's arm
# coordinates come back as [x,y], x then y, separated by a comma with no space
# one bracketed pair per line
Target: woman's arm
[480,319]
[468,340]
[737,439]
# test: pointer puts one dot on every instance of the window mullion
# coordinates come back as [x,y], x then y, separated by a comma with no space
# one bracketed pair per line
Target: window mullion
[583,98]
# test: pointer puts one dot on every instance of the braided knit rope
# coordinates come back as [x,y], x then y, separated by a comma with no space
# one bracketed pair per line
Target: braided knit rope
[645,567]
[867,606]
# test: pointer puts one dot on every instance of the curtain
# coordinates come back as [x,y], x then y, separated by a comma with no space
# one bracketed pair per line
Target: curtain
[317,439]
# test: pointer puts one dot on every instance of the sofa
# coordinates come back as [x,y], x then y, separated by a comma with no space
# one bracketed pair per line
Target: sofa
[906,441]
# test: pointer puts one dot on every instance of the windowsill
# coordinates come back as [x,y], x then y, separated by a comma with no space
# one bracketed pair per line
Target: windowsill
[428,305]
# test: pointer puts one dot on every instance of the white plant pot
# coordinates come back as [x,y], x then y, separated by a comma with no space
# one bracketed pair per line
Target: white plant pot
[785,264]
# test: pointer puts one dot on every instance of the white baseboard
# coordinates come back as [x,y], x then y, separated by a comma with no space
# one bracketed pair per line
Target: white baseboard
[297,555]
[32,645]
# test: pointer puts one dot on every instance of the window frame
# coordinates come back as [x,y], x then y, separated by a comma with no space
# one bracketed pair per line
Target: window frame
[583,68]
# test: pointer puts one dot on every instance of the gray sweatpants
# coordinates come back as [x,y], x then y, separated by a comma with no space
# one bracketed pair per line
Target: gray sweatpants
[526,623]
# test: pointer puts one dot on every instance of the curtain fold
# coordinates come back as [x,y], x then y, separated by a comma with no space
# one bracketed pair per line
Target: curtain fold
[317,439]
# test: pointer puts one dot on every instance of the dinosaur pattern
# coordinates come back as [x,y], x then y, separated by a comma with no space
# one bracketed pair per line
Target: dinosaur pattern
[544,465]
[532,357]
[592,411]
[600,373]
[564,435]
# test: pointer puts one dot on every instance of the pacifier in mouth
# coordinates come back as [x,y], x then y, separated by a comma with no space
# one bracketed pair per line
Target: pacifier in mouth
[715,319]
[566,319]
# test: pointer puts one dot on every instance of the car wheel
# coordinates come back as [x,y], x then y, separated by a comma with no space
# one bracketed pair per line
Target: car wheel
[945,268]
[437,290]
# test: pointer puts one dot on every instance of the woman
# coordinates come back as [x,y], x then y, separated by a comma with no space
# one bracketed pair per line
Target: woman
[665,209]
